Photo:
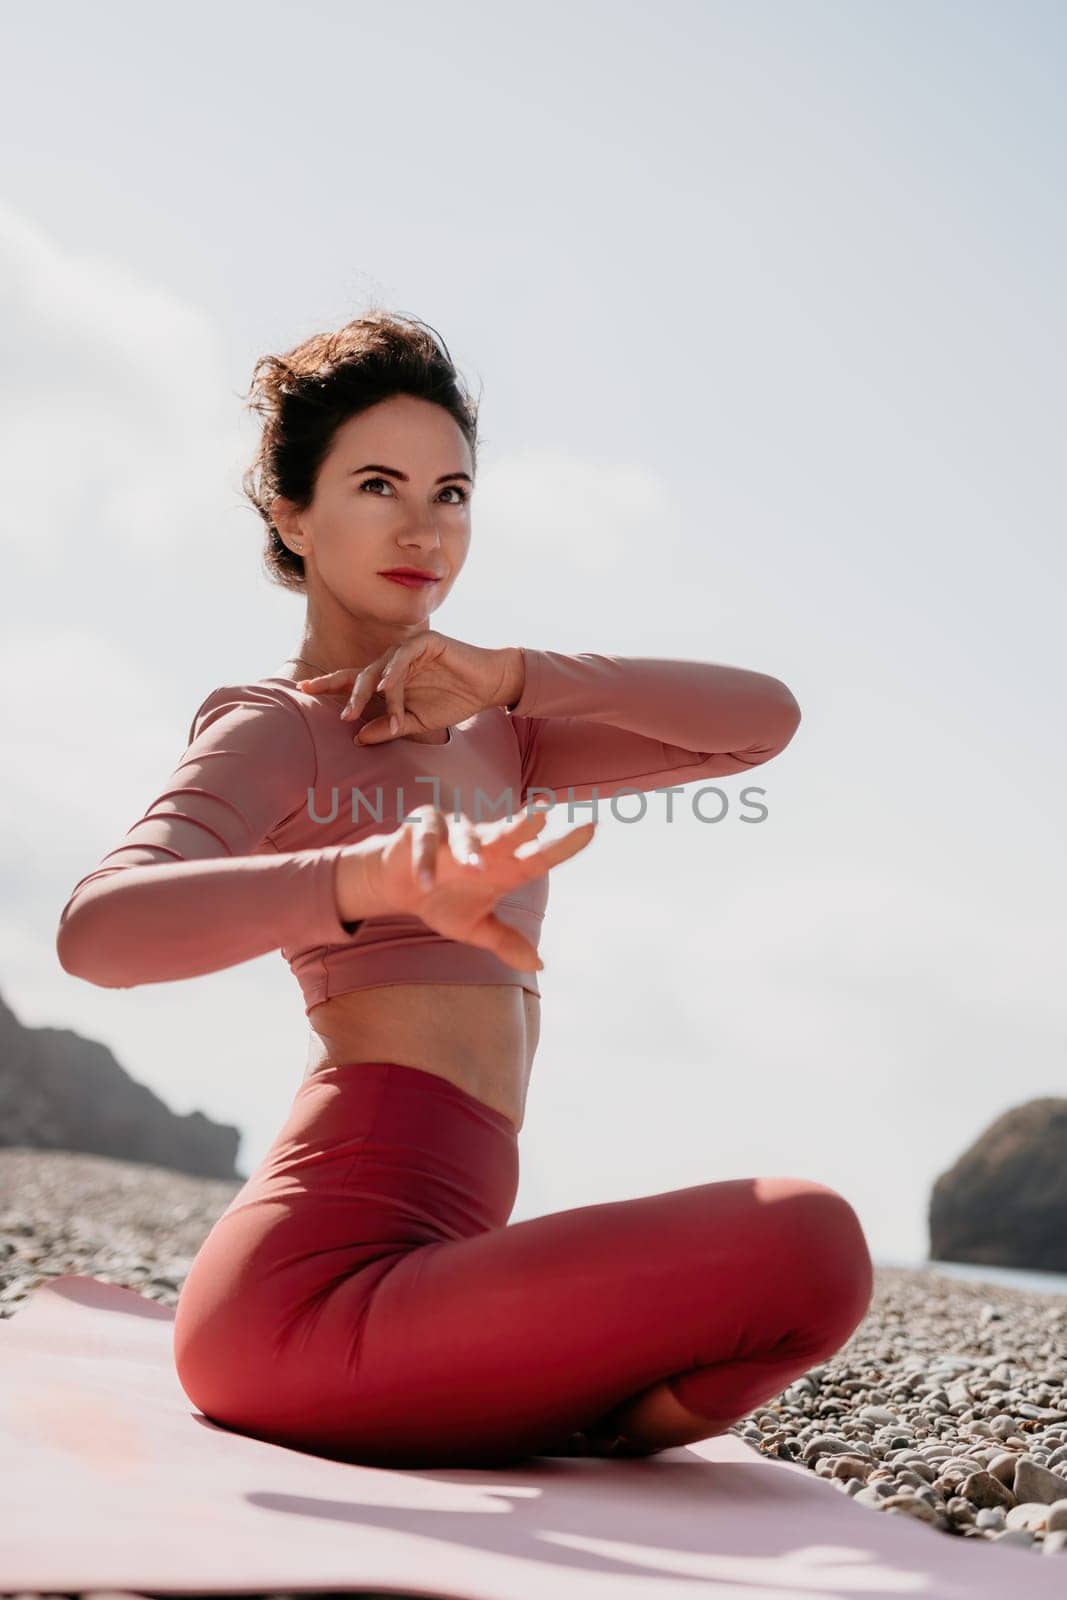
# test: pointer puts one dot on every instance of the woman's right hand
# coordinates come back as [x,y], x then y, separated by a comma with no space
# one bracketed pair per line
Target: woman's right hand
[458,895]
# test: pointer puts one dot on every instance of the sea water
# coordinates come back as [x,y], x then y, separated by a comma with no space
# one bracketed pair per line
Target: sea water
[1008,1277]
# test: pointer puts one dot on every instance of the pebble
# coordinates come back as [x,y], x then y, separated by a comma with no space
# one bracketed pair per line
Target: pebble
[948,1404]
[1038,1483]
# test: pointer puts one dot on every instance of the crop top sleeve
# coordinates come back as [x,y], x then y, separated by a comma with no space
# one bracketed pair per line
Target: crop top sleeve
[603,723]
[184,894]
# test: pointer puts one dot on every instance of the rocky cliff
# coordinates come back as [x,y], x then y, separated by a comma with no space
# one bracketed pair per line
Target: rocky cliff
[1004,1203]
[59,1091]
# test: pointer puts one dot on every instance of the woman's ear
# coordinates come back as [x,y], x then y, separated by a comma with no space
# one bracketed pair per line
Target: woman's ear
[284,517]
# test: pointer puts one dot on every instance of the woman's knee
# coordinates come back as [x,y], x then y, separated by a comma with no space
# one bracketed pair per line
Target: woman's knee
[833,1258]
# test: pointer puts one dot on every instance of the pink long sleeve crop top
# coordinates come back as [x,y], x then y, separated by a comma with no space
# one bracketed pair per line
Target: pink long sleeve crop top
[236,855]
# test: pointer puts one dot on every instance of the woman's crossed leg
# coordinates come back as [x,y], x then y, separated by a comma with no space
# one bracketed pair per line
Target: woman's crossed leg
[677,1312]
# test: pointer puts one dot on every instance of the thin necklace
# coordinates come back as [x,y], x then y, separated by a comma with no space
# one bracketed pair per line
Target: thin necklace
[307,663]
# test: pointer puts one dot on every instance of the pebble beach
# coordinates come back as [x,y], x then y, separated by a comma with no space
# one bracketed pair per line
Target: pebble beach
[948,1404]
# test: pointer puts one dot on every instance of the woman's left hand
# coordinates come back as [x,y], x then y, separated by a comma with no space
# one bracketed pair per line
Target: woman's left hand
[428,682]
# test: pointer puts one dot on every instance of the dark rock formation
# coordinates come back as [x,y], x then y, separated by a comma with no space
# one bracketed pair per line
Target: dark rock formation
[1004,1203]
[59,1091]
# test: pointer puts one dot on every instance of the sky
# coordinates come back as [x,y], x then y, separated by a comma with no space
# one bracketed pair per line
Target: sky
[763,302]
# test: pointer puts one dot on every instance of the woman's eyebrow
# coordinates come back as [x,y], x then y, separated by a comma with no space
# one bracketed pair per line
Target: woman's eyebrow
[393,472]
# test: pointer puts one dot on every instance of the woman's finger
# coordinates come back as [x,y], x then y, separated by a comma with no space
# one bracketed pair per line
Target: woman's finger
[510,945]
[499,838]
[389,682]
[431,828]
[391,685]
[466,845]
[506,942]
[495,841]
[392,662]
[362,689]
[548,853]
[328,682]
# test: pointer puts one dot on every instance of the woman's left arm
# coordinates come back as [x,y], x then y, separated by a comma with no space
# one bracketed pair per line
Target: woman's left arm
[603,723]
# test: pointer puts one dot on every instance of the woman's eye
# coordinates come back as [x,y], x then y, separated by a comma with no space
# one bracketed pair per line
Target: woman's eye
[450,488]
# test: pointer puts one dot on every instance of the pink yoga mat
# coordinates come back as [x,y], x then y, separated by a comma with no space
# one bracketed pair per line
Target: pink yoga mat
[113,1480]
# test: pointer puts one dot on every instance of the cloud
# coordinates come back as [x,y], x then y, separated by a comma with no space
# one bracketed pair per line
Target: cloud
[115,418]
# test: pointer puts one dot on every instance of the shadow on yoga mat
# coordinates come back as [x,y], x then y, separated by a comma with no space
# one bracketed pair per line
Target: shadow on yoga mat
[115,1481]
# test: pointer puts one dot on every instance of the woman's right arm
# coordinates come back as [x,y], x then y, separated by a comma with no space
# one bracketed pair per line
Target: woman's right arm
[182,895]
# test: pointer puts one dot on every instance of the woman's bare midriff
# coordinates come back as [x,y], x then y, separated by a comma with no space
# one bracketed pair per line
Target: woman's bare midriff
[480,1036]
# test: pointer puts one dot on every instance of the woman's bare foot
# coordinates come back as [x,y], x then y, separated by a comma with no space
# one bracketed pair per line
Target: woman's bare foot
[642,1426]
[656,1420]
[608,1444]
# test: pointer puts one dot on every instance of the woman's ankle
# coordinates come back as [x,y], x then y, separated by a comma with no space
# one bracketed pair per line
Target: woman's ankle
[657,1420]
[592,1443]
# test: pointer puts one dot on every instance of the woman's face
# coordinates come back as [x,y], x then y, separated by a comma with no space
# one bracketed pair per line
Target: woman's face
[393,491]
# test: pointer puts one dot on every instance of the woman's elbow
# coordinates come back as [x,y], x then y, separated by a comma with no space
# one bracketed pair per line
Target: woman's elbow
[779,721]
[789,716]
[82,952]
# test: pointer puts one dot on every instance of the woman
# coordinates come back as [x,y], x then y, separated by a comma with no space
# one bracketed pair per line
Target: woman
[371,810]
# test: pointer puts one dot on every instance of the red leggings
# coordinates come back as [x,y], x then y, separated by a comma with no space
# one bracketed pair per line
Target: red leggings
[363,1296]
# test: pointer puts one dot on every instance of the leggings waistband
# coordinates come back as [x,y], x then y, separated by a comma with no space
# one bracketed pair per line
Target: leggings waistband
[420,1079]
